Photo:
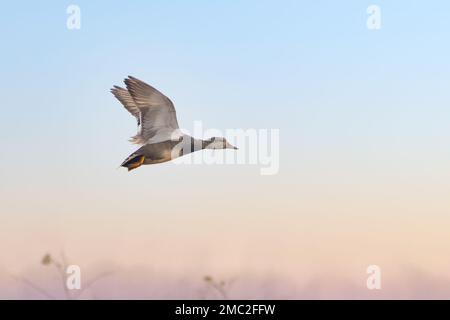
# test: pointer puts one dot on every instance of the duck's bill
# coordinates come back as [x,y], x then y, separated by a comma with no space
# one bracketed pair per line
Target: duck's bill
[229,146]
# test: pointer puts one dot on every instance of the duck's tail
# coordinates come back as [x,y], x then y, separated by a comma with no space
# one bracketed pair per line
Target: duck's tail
[133,161]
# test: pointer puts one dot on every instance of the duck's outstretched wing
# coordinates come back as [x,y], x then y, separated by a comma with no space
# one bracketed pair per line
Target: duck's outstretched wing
[127,101]
[157,113]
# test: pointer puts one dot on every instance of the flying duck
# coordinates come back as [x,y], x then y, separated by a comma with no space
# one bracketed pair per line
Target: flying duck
[158,132]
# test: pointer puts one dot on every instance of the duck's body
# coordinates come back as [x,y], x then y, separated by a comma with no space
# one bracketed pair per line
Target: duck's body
[164,151]
[158,130]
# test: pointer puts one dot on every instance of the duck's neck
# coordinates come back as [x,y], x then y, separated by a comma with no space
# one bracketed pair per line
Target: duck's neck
[190,144]
[205,143]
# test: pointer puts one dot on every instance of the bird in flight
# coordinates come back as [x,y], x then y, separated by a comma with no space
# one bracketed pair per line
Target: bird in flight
[158,132]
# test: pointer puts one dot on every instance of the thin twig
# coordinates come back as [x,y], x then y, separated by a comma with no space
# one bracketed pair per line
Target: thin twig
[91,282]
[34,286]
[220,289]
[62,272]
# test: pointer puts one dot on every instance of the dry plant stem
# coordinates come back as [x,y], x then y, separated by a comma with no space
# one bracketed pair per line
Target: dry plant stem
[219,289]
[90,283]
[35,287]
[61,267]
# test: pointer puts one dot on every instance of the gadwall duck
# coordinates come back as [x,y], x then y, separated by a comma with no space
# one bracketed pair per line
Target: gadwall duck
[158,130]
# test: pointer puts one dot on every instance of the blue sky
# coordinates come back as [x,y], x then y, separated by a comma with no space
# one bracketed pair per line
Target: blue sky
[285,64]
[336,90]
[312,70]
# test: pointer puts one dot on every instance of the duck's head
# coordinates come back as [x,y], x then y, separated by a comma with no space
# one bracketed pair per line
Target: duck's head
[218,143]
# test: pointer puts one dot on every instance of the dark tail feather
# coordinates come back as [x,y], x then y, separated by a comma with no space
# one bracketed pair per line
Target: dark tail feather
[134,161]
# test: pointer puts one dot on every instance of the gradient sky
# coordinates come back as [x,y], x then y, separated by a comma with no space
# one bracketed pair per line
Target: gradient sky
[364,127]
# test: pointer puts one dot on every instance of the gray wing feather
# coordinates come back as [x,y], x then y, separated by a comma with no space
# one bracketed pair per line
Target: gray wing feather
[127,101]
[157,112]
